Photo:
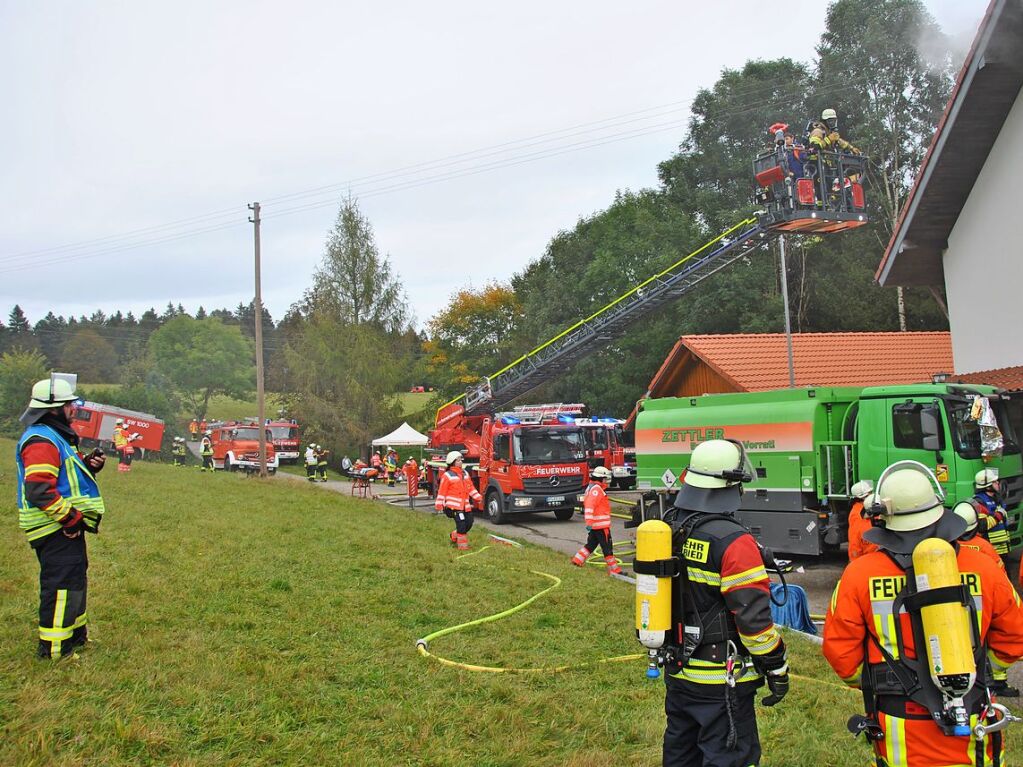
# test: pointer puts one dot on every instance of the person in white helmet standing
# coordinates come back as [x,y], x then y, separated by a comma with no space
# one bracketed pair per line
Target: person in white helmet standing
[728,645]
[456,497]
[992,520]
[875,619]
[58,502]
[858,523]
[597,513]
[310,462]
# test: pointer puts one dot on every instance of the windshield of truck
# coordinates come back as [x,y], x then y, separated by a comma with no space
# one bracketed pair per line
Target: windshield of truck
[625,438]
[249,432]
[549,445]
[284,432]
[596,437]
[966,432]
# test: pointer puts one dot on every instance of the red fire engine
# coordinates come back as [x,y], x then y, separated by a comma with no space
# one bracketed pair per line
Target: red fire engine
[609,444]
[286,439]
[94,424]
[532,458]
[236,446]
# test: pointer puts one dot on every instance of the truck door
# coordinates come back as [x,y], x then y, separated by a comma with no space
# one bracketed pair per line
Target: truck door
[500,460]
[918,432]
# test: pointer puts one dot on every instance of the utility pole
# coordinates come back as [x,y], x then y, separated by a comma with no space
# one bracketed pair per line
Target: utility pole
[785,302]
[260,394]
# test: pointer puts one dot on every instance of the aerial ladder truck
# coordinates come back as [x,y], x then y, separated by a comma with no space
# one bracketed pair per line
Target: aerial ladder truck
[829,198]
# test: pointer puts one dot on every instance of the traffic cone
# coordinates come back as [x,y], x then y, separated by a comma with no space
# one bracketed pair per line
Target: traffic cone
[613,568]
[581,556]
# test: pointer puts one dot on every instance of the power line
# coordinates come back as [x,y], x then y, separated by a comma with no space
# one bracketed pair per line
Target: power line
[412,183]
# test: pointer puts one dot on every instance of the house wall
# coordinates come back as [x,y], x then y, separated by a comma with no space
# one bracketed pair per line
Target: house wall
[984,260]
[694,378]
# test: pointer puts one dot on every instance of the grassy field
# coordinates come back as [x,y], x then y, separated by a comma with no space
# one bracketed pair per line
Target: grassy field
[240,622]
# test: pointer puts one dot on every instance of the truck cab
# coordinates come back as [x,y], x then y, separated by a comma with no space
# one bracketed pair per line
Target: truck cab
[286,439]
[608,444]
[236,446]
[530,459]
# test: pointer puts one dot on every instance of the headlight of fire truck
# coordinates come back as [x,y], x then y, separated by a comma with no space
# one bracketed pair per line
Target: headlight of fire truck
[523,501]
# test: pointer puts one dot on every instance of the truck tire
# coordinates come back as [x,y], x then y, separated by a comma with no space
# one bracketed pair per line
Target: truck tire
[227,464]
[495,508]
[564,514]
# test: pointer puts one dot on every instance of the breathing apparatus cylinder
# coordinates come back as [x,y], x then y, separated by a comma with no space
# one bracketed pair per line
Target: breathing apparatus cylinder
[946,628]
[653,591]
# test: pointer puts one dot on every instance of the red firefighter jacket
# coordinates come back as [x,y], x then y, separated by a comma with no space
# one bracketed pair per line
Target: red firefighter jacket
[456,491]
[597,507]
[857,527]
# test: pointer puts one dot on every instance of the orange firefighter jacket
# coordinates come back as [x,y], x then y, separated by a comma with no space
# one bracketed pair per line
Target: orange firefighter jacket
[858,525]
[862,607]
[597,507]
[981,544]
[456,491]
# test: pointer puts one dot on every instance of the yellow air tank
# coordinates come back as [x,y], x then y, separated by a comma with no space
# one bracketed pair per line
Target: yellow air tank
[946,625]
[653,593]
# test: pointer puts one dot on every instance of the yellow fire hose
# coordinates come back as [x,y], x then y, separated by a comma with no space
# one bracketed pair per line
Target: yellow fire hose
[423,644]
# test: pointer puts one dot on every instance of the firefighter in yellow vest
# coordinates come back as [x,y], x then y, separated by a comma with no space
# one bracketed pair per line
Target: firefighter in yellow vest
[58,501]
[121,445]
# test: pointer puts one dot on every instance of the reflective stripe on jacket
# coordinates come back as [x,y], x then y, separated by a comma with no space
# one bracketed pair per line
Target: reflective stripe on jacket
[991,521]
[727,578]
[76,487]
[456,491]
[597,507]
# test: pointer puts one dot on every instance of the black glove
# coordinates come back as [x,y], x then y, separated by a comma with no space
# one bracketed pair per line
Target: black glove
[778,683]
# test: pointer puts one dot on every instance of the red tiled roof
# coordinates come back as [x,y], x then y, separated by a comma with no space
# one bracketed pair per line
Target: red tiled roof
[1004,378]
[755,362]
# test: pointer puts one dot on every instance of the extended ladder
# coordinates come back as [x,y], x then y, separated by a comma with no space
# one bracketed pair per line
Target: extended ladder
[559,353]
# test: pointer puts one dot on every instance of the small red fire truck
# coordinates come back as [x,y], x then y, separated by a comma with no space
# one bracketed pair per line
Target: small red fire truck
[609,444]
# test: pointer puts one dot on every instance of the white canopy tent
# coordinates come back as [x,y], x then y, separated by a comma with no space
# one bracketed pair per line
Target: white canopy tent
[404,435]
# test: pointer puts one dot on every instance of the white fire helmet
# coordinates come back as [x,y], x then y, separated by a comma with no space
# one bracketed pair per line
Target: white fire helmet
[601,474]
[965,510]
[862,489]
[453,456]
[909,497]
[985,478]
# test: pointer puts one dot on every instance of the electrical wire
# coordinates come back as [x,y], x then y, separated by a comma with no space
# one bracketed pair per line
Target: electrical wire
[401,186]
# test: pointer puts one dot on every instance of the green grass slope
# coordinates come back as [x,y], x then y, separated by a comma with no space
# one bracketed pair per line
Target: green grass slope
[240,622]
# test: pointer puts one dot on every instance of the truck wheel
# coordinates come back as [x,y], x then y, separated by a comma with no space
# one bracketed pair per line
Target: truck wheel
[227,464]
[564,514]
[495,508]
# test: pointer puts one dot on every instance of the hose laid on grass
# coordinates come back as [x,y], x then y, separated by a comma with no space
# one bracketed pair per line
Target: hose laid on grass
[422,645]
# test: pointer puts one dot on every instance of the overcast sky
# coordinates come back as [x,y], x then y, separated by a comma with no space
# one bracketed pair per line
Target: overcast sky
[136,133]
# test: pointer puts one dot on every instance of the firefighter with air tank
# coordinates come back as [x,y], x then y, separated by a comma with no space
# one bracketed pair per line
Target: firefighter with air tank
[914,626]
[703,611]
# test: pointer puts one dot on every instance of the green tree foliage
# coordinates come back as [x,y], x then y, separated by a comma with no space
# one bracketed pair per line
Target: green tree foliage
[343,380]
[89,355]
[468,338]
[19,369]
[354,283]
[19,331]
[347,350]
[201,358]
[889,97]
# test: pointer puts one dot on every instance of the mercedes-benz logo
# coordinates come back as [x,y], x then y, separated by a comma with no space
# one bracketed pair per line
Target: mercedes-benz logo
[555,481]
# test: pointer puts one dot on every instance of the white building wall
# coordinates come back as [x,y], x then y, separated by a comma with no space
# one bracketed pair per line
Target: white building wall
[984,260]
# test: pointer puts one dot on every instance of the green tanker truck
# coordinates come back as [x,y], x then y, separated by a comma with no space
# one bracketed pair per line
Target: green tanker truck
[809,446]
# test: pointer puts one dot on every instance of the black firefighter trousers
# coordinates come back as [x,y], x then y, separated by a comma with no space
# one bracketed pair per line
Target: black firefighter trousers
[697,731]
[63,563]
